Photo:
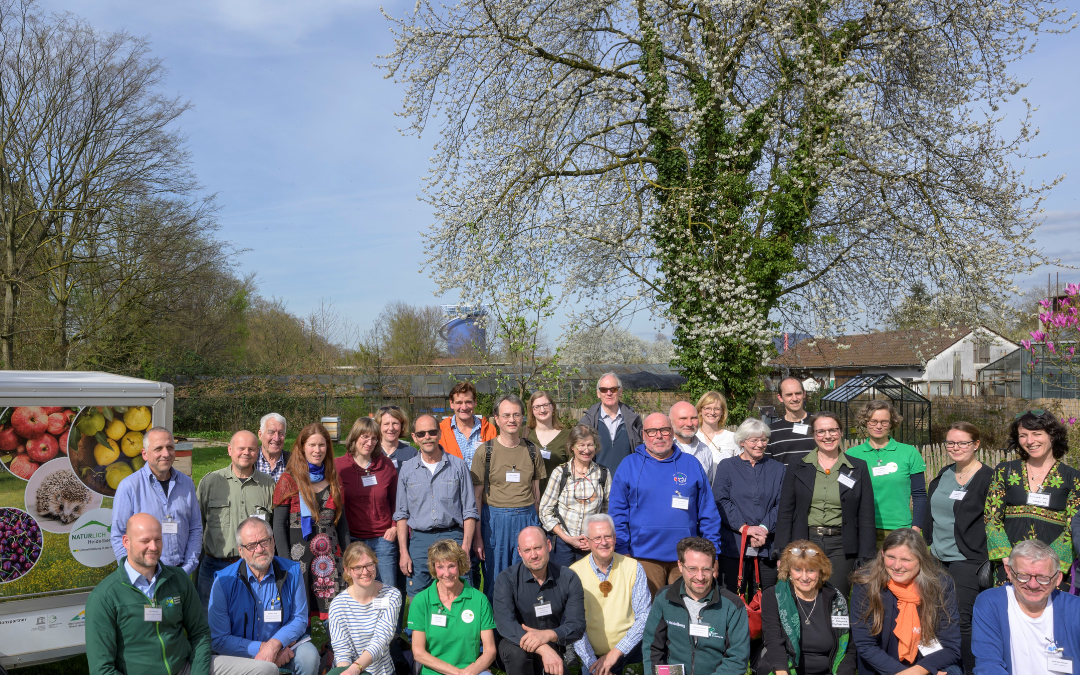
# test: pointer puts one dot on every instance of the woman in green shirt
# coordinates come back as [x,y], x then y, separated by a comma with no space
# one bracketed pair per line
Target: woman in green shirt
[897,471]
[546,433]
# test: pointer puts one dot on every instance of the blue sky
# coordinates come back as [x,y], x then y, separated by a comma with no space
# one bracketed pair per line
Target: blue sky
[294,129]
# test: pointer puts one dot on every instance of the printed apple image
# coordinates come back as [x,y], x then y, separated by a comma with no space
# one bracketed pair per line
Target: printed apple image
[30,421]
[23,467]
[42,449]
[9,440]
[57,423]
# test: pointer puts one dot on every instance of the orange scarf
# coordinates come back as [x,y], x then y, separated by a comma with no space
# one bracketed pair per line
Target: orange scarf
[908,630]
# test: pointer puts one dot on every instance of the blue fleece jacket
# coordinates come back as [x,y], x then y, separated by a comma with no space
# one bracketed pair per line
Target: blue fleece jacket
[647,525]
[990,634]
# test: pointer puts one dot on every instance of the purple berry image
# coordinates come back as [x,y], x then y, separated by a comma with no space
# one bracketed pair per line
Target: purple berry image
[20,544]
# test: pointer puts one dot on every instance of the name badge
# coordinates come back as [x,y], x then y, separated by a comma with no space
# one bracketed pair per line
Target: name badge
[751,550]
[543,609]
[382,603]
[883,470]
[682,503]
[172,527]
[800,428]
[927,650]
[513,476]
[545,454]
[438,620]
[1038,499]
[151,613]
[1059,665]
[841,622]
[673,669]
[369,481]
[260,516]
[396,464]
[957,494]
[699,629]
[845,480]
[272,616]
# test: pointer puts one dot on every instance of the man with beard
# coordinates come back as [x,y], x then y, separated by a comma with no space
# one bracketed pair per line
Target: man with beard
[259,611]
[145,618]
[539,609]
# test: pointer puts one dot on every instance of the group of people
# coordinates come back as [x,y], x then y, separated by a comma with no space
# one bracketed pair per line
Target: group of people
[623,539]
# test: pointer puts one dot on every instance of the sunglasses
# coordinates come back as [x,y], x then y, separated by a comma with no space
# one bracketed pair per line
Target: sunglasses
[607,390]
[803,551]
[429,432]
[389,407]
[1037,412]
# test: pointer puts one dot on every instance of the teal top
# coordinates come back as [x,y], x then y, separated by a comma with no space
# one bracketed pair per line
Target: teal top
[941,506]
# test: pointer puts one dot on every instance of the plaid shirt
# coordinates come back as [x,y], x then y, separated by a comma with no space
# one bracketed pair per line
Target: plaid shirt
[580,498]
[262,465]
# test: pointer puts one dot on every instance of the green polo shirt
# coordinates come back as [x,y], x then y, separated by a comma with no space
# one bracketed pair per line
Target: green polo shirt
[458,642]
[891,469]
[825,506]
[225,501]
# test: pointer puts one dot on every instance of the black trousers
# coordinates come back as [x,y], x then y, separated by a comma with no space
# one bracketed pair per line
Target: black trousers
[517,661]
[842,565]
[965,578]
[729,574]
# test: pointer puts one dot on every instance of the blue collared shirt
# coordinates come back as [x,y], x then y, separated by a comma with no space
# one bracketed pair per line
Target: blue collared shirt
[467,445]
[140,582]
[287,631]
[436,500]
[141,493]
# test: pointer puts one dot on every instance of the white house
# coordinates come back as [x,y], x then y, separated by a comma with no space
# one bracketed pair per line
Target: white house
[933,361]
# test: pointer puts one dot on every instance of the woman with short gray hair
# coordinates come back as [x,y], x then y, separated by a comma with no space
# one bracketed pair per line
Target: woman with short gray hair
[747,492]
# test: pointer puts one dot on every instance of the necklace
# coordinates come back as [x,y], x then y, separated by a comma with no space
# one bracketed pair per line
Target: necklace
[1036,486]
[799,604]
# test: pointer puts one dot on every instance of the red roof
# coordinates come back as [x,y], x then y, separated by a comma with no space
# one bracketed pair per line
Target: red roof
[888,348]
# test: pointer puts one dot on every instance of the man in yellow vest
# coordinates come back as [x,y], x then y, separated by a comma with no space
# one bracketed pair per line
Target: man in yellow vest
[616,602]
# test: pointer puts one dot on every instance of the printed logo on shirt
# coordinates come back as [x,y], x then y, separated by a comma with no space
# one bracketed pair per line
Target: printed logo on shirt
[171,602]
[680,478]
[467,616]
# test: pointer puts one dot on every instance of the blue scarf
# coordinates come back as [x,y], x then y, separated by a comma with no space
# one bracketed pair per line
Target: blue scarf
[316,474]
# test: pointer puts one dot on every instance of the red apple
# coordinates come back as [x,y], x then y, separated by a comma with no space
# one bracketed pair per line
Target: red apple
[50,409]
[42,449]
[62,442]
[68,414]
[30,421]
[22,467]
[9,440]
[57,424]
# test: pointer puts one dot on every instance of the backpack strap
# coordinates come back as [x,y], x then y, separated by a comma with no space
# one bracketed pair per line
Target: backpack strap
[562,486]
[488,446]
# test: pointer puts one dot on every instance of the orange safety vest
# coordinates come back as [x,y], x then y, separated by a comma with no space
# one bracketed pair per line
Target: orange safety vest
[448,440]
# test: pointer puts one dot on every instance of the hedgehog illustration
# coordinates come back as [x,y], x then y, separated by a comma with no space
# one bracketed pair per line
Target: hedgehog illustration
[62,496]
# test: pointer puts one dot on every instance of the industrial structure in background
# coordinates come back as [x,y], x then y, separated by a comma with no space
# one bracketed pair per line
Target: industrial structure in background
[464,329]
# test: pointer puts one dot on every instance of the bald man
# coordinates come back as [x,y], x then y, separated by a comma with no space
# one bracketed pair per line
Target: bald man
[539,609]
[684,425]
[227,497]
[145,617]
[659,495]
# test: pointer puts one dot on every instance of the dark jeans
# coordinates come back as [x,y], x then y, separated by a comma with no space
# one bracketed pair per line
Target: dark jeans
[517,661]
[208,567]
[965,578]
[729,574]
[563,554]
[842,565]
[419,544]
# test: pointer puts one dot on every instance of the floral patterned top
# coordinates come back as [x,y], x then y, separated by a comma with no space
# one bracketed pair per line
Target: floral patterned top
[1011,517]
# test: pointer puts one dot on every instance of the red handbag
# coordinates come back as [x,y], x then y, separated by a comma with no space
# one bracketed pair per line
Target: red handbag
[753,608]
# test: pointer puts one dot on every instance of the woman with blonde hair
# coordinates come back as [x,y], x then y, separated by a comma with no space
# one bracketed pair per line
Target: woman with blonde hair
[393,424]
[450,620]
[547,433]
[309,516]
[903,611]
[363,619]
[712,409]
[804,620]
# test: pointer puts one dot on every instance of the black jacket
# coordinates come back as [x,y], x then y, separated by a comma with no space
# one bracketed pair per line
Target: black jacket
[856,505]
[968,528]
[777,645]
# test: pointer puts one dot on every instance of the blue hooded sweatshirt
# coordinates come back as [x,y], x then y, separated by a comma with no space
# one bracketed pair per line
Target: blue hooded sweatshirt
[647,525]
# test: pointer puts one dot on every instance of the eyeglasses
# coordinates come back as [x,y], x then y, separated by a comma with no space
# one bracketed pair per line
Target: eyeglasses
[262,543]
[602,538]
[426,432]
[511,416]
[958,444]
[364,569]
[663,431]
[756,441]
[693,571]
[541,406]
[712,410]
[1024,578]
[607,390]
[826,432]
[1037,412]
[879,423]
[810,552]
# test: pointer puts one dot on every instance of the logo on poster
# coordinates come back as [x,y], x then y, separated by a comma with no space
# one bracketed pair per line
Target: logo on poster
[90,541]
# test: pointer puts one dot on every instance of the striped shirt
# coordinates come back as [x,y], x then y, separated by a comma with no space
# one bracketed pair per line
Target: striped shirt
[787,446]
[356,628]
[640,600]
[580,498]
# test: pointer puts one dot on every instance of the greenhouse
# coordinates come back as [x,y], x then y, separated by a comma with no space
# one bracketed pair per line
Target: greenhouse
[847,399]
[1019,375]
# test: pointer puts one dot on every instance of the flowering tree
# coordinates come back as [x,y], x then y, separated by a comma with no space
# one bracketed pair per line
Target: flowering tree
[1061,320]
[726,164]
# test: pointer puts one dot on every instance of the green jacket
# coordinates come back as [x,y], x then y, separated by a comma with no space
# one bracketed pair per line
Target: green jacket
[120,641]
[667,639]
